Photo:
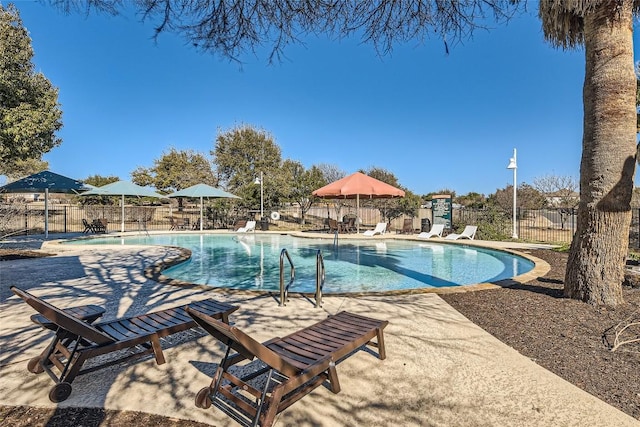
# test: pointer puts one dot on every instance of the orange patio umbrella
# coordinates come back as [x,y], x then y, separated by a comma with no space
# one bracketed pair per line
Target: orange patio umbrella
[358,185]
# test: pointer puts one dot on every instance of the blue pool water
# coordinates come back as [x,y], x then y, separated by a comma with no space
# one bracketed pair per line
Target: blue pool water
[252,262]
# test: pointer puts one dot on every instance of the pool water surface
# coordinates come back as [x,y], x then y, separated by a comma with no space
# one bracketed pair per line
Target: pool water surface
[252,262]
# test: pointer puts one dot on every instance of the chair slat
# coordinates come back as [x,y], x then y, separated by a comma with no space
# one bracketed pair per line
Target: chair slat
[305,339]
[113,332]
[307,351]
[320,337]
[165,321]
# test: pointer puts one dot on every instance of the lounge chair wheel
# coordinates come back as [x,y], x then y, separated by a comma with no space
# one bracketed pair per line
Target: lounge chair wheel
[202,398]
[60,392]
[34,366]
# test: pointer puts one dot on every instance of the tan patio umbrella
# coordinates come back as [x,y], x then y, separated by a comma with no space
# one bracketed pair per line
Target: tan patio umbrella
[358,185]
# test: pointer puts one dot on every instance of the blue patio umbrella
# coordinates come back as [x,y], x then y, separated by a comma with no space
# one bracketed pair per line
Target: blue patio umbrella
[201,191]
[123,188]
[45,182]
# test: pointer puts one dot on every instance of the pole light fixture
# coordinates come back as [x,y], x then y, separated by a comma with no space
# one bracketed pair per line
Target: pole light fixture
[513,164]
[259,180]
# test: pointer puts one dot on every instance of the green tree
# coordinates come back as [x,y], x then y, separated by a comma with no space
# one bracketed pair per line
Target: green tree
[241,155]
[20,168]
[595,269]
[175,170]
[396,207]
[29,111]
[472,200]
[303,182]
[448,191]
[527,198]
[99,181]
[331,173]
[429,196]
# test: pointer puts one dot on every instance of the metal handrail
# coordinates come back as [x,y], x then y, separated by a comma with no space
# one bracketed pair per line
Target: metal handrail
[284,291]
[335,238]
[320,276]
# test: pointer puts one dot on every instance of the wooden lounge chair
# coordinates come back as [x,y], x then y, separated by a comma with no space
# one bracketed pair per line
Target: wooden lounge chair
[407,226]
[76,340]
[295,364]
[99,225]
[334,227]
[88,228]
[349,224]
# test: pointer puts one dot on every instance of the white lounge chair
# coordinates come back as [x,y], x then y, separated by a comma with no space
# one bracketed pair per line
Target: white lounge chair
[436,231]
[469,232]
[251,226]
[381,227]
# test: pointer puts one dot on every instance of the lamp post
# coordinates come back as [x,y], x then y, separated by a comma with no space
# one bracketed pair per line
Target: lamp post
[259,181]
[513,164]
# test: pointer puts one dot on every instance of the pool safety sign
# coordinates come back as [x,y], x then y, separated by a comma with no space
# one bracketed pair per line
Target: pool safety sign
[441,210]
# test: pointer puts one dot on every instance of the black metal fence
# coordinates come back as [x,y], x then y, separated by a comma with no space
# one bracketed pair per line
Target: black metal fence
[541,225]
[532,225]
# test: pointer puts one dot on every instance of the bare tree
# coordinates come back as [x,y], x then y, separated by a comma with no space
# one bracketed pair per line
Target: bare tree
[331,173]
[11,219]
[561,192]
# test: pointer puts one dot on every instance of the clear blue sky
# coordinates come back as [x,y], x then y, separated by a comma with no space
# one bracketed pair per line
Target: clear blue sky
[434,120]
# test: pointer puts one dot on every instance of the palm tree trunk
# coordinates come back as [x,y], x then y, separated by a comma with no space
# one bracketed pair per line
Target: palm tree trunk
[595,269]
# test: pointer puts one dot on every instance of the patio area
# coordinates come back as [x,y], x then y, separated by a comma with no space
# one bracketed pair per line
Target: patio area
[440,370]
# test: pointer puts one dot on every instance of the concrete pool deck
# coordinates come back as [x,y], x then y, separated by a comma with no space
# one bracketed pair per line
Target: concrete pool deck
[441,369]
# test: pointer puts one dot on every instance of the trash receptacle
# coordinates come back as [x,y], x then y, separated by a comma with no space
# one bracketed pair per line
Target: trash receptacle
[425,224]
[264,224]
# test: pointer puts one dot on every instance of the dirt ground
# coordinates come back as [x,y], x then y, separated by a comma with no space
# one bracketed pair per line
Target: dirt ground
[9,254]
[567,337]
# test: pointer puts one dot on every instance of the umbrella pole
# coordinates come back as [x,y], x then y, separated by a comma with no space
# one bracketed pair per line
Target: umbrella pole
[122,223]
[357,213]
[46,213]
[201,213]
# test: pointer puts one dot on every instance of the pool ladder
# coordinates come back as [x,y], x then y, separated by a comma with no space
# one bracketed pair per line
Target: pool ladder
[320,277]
[284,290]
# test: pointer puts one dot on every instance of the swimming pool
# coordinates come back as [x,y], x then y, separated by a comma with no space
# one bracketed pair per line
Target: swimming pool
[252,262]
